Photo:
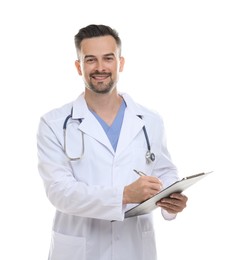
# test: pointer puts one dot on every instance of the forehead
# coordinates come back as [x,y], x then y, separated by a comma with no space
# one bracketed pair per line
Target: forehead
[98,46]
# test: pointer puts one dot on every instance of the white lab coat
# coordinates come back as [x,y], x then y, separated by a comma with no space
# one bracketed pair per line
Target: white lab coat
[87,193]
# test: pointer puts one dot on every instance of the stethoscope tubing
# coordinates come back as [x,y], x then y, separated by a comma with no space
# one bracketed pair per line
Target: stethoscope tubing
[150,157]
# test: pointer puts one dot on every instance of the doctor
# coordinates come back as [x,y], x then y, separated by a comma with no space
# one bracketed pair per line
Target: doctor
[88,150]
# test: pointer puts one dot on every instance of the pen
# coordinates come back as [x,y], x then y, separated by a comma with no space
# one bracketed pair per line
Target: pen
[139,173]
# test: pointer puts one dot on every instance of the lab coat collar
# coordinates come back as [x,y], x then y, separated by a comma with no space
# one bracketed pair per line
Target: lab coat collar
[80,108]
[91,126]
[133,106]
[132,117]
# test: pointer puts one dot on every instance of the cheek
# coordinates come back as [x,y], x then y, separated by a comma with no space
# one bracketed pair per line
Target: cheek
[115,68]
[87,70]
[83,71]
[86,75]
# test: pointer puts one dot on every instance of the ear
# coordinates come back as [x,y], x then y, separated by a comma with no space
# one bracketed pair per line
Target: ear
[121,66]
[78,67]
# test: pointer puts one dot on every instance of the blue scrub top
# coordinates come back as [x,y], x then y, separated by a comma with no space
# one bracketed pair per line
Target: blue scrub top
[113,131]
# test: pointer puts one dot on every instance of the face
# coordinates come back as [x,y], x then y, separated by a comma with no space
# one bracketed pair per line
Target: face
[99,64]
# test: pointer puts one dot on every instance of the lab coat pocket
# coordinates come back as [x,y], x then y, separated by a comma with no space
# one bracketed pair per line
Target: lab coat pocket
[149,248]
[65,247]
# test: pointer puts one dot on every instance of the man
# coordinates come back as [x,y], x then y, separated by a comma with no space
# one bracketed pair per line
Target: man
[88,168]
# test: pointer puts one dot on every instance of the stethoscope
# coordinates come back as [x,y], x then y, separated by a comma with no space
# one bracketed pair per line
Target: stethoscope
[150,157]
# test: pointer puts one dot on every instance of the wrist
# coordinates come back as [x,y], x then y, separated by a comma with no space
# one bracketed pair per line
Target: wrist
[125,196]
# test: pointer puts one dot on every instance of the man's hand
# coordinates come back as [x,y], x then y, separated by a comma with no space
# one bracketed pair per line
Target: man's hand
[173,204]
[142,189]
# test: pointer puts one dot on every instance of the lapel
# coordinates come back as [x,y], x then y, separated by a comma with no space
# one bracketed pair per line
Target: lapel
[131,125]
[89,124]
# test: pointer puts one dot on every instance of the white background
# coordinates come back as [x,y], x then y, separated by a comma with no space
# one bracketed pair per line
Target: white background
[179,61]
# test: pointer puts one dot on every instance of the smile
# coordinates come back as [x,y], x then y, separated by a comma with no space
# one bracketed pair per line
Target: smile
[100,76]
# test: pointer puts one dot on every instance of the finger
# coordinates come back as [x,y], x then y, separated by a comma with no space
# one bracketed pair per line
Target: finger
[170,202]
[152,179]
[150,183]
[171,208]
[156,183]
[154,189]
[179,196]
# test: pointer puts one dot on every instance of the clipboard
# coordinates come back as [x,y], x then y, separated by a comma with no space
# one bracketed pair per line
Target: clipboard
[147,206]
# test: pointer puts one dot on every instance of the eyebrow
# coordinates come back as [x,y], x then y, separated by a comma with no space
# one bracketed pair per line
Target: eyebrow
[92,56]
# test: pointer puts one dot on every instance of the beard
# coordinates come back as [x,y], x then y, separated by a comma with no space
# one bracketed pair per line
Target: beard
[101,87]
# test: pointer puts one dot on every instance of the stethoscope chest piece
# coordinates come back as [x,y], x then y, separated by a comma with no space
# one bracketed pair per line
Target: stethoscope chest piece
[150,157]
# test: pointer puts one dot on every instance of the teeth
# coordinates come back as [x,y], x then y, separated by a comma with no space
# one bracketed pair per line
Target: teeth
[100,77]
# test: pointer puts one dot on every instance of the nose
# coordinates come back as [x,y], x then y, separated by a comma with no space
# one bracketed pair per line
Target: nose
[100,66]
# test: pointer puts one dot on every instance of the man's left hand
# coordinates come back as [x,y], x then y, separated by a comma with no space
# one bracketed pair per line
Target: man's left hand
[174,204]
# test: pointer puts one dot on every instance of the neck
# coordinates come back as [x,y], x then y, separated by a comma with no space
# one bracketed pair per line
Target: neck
[105,105]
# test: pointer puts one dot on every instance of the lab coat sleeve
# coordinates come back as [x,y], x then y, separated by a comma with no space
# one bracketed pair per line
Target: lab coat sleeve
[66,193]
[168,216]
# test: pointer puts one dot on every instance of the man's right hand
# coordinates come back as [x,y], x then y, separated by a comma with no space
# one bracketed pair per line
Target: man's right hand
[142,189]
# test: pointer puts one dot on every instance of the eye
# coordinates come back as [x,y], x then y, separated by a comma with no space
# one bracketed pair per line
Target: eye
[90,60]
[109,58]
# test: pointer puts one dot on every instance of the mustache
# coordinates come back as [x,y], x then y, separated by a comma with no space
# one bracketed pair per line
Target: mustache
[97,73]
